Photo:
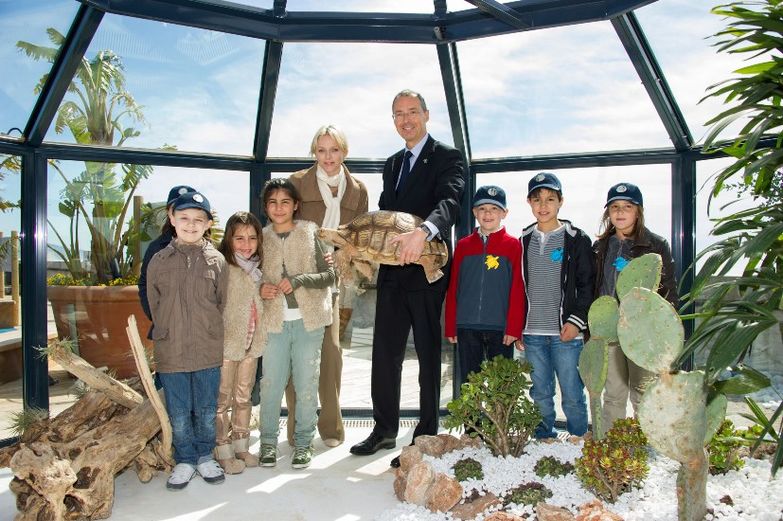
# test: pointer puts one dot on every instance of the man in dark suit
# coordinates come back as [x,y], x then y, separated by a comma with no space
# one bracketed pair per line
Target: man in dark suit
[424,179]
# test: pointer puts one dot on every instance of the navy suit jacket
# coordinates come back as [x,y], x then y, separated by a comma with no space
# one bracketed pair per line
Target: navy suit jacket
[432,192]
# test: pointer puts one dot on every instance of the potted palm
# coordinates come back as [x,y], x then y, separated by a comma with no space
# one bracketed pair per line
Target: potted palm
[92,300]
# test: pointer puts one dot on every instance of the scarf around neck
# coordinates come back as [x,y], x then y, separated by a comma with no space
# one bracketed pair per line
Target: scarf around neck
[332,203]
[250,266]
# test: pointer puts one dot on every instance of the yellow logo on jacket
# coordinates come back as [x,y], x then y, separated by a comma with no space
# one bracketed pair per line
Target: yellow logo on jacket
[492,262]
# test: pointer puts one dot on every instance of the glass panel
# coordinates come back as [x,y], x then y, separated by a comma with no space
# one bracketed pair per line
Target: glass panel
[359,6]
[459,5]
[192,89]
[354,92]
[26,22]
[566,89]
[357,341]
[88,228]
[584,195]
[10,316]
[678,32]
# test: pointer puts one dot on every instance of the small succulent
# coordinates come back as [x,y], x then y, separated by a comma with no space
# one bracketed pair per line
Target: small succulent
[551,466]
[467,468]
[530,493]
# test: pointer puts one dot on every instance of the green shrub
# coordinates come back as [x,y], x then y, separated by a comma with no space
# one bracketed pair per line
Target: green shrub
[468,468]
[530,493]
[551,466]
[613,465]
[724,449]
[493,403]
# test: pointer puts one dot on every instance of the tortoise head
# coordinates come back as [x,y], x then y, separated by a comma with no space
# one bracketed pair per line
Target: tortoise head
[334,237]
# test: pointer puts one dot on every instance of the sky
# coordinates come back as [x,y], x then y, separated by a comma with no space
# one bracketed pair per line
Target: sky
[569,89]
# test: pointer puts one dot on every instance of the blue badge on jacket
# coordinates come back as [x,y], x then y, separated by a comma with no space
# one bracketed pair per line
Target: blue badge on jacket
[557,255]
[620,263]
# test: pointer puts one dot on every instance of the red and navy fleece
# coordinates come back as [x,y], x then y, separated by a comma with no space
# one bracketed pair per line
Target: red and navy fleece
[486,292]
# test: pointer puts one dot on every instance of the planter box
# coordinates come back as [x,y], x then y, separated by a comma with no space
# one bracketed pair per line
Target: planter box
[96,317]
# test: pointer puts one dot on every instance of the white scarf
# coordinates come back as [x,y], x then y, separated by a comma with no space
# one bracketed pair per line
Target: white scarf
[250,266]
[325,183]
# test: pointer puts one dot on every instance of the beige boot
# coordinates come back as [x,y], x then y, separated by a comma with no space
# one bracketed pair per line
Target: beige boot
[242,452]
[225,458]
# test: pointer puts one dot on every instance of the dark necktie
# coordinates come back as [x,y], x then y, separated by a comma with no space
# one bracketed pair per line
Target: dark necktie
[406,170]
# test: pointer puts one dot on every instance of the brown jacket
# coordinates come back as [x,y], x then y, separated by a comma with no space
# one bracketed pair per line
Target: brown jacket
[353,204]
[186,288]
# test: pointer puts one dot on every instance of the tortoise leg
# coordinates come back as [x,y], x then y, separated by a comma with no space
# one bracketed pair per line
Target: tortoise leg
[431,270]
[342,263]
[364,267]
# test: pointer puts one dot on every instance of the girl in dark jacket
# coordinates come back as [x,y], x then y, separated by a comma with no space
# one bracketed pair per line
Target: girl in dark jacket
[624,237]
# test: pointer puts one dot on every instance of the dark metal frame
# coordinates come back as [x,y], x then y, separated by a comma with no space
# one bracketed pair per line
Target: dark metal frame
[277,25]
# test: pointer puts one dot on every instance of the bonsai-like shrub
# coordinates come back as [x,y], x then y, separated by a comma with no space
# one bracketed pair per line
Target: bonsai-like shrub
[724,449]
[530,493]
[468,468]
[615,464]
[551,466]
[493,404]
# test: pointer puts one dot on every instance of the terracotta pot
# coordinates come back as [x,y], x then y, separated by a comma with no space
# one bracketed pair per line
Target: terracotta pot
[96,316]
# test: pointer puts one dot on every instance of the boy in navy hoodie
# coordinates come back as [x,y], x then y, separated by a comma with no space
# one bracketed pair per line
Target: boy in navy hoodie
[485,303]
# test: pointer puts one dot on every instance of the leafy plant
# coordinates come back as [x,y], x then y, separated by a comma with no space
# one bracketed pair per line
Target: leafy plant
[493,404]
[551,466]
[764,431]
[468,468]
[736,310]
[616,463]
[530,493]
[723,450]
[100,112]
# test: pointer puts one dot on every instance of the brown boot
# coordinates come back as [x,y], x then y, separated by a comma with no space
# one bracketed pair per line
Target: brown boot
[225,458]
[242,452]
[345,317]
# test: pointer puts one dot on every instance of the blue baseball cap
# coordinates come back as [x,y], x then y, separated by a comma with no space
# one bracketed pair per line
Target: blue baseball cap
[490,194]
[193,200]
[625,192]
[544,180]
[177,191]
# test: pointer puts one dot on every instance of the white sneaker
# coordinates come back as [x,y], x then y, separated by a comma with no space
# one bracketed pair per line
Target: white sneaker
[211,471]
[180,476]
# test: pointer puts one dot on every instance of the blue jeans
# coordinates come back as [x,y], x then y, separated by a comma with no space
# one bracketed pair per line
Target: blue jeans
[474,346]
[191,402]
[549,356]
[293,352]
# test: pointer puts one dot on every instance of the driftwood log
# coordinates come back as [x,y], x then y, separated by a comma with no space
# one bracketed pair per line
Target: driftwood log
[64,468]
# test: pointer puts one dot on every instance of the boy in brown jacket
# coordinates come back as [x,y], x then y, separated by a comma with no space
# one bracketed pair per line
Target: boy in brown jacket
[186,287]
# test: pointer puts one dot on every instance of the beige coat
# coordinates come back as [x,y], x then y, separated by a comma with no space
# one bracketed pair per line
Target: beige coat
[236,317]
[353,203]
[186,287]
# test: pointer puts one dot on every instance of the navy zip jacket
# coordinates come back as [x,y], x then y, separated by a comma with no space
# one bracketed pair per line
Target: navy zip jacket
[486,292]
[577,274]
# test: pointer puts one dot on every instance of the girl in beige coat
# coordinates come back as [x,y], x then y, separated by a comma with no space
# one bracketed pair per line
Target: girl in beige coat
[244,341]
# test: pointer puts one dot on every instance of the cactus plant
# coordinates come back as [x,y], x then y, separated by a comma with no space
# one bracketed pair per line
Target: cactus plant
[593,367]
[641,272]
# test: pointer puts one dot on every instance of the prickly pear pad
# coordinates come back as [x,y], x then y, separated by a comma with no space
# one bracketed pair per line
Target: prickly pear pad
[594,364]
[602,318]
[641,272]
[716,412]
[650,330]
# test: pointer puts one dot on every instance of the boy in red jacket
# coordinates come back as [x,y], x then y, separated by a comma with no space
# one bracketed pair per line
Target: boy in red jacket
[485,303]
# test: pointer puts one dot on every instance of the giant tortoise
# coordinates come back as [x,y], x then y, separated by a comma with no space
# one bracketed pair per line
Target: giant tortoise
[366,241]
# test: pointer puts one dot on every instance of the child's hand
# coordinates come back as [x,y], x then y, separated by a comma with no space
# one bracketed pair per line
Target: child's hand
[328,259]
[568,332]
[452,339]
[508,340]
[285,286]
[519,344]
[269,291]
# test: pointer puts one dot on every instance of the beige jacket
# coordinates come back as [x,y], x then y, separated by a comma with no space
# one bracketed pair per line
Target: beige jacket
[236,317]
[312,208]
[186,287]
[297,252]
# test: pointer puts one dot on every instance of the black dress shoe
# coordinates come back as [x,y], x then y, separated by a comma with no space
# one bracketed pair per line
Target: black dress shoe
[395,462]
[373,444]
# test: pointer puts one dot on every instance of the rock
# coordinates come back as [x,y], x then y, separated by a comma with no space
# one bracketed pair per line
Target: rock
[444,493]
[467,441]
[430,445]
[417,481]
[547,512]
[450,442]
[470,509]
[502,516]
[596,511]
[399,484]
[409,456]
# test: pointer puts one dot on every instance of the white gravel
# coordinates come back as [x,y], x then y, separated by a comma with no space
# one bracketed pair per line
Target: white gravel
[754,494]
